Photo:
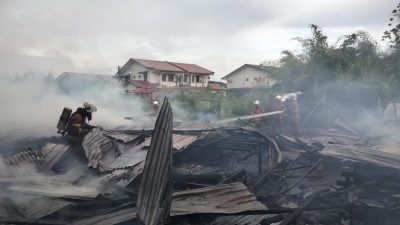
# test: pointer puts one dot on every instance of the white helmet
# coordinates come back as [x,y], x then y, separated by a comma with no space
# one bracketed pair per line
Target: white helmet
[293,96]
[278,97]
[155,103]
[256,102]
[89,106]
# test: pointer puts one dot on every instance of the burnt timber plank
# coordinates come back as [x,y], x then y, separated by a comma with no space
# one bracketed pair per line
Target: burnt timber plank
[155,194]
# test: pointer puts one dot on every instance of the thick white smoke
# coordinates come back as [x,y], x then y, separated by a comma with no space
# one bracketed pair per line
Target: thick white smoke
[31,106]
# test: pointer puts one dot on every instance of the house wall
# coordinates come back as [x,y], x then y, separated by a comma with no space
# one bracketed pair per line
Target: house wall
[137,70]
[249,77]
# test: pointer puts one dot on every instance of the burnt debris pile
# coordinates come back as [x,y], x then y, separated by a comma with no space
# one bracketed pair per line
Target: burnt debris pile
[207,174]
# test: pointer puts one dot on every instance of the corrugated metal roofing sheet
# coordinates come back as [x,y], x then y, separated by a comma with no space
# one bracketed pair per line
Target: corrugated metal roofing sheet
[158,65]
[155,194]
[25,164]
[239,220]
[192,68]
[363,155]
[227,198]
[53,152]
[108,150]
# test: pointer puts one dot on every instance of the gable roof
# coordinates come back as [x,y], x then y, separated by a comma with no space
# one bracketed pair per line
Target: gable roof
[158,65]
[84,77]
[216,86]
[268,69]
[169,66]
[192,68]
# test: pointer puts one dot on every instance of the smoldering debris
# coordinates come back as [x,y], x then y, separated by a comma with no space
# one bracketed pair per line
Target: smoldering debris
[220,175]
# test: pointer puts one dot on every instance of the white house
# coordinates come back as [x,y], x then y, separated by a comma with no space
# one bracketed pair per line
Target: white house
[250,76]
[166,74]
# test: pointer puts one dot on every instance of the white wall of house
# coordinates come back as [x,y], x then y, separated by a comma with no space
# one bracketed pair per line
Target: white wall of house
[199,80]
[164,78]
[249,77]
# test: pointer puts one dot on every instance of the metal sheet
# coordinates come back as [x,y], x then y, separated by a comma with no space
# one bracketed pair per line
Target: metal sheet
[109,218]
[112,150]
[36,206]
[227,198]
[362,154]
[239,220]
[53,152]
[155,192]
[58,190]
[9,209]
[24,164]
[182,141]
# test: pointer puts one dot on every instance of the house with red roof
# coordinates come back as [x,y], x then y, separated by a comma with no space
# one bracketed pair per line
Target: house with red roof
[163,74]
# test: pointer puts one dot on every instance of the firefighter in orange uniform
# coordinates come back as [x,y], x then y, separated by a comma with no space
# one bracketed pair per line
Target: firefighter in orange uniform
[277,120]
[292,115]
[257,109]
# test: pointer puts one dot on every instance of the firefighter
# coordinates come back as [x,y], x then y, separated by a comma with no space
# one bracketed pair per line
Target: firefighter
[257,109]
[292,115]
[78,126]
[156,107]
[277,120]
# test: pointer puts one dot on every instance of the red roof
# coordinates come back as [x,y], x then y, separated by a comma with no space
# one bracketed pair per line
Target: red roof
[143,84]
[216,86]
[192,68]
[158,65]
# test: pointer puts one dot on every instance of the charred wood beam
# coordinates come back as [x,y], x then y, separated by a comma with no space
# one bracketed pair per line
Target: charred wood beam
[261,181]
[300,210]
[293,168]
[302,177]
[353,188]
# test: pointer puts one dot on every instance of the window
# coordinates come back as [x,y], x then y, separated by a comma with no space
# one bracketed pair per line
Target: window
[247,79]
[134,77]
[197,79]
[140,76]
[185,78]
[171,77]
[192,79]
[164,77]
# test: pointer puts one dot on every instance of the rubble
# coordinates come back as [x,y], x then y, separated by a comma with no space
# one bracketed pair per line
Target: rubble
[201,173]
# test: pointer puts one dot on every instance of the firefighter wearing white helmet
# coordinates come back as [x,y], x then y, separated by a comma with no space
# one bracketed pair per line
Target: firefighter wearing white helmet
[89,106]
[257,109]
[156,108]
[77,126]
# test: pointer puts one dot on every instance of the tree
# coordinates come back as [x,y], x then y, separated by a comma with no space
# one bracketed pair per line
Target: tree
[392,57]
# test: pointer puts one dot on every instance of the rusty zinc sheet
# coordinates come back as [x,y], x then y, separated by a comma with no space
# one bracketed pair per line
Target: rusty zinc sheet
[155,193]
[227,198]
[363,155]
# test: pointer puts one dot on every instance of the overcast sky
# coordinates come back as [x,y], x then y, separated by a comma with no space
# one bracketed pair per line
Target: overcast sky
[96,36]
